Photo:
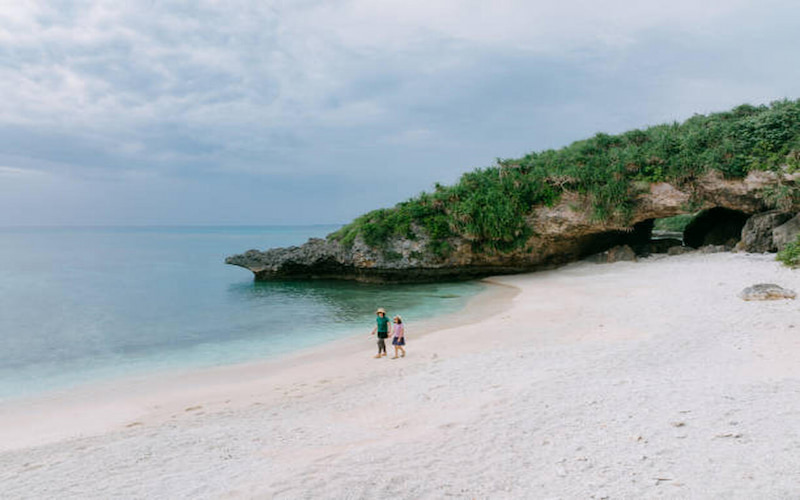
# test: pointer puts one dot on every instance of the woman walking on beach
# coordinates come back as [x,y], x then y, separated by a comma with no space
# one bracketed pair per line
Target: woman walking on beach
[398,337]
[382,329]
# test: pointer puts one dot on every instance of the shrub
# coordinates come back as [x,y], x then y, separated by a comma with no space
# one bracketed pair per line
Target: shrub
[673,224]
[790,255]
[781,196]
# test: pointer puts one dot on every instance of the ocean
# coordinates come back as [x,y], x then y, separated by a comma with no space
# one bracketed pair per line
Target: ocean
[86,304]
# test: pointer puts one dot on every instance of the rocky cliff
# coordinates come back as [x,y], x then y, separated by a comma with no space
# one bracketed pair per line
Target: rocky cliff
[561,233]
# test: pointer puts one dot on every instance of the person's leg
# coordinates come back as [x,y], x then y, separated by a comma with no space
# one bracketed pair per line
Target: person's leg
[379,348]
[395,351]
[402,350]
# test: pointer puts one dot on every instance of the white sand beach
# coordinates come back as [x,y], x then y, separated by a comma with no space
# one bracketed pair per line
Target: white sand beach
[629,380]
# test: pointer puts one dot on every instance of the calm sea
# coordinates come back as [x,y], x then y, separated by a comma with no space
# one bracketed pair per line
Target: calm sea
[83,304]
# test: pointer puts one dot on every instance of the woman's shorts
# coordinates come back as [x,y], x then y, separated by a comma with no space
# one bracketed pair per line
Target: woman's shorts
[400,341]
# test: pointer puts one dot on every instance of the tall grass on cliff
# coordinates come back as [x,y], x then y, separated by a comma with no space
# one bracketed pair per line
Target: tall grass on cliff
[490,207]
[790,255]
[674,224]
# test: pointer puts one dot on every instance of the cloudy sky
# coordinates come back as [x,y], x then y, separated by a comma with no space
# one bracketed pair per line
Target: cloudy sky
[314,111]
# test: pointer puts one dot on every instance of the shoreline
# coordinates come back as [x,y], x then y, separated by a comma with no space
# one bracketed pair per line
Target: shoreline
[628,380]
[103,406]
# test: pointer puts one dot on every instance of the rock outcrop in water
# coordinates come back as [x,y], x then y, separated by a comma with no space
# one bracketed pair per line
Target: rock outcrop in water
[560,234]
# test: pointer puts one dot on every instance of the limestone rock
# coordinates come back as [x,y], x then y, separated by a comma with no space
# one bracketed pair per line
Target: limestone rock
[562,233]
[621,253]
[618,253]
[679,250]
[757,231]
[766,291]
[786,233]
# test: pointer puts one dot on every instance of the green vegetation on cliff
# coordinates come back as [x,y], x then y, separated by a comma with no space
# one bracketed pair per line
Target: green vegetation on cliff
[790,255]
[489,206]
[674,224]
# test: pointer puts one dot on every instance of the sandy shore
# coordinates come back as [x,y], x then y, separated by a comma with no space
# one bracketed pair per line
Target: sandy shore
[628,380]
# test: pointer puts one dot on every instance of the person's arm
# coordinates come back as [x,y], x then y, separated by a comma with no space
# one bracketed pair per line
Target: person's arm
[374,330]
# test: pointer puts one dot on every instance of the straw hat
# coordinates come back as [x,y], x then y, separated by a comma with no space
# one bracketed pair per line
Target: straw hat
[380,310]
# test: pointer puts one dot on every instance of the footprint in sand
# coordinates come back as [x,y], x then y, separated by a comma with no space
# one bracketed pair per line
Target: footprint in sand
[193,408]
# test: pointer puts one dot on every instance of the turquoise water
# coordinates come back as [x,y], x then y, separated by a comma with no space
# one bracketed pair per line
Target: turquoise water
[93,303]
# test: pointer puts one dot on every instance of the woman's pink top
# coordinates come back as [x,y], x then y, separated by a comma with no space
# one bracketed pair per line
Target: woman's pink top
[398,330]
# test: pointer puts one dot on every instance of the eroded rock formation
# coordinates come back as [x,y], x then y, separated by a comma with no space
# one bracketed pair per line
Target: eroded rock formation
[562,233]
[758,232]
[786,233]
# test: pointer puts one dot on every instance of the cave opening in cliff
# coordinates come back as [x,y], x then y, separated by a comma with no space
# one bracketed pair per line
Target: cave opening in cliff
[637,238]
[657,235]
[715,226]
[668,232]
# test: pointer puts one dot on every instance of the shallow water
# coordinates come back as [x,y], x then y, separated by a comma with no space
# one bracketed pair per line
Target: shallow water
[85,304]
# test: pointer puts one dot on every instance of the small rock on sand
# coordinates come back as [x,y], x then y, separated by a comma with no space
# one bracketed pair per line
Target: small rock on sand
[679,250]
[766,291]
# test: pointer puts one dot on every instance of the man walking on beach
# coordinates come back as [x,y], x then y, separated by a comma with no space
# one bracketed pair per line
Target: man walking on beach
[382,329]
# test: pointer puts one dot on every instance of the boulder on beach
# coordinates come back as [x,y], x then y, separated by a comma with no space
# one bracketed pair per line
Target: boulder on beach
[766,291]
[757,233]
[618,253]
[621,253]
[786,232]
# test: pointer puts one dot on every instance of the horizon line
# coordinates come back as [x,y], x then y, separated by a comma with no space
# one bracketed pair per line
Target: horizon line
[75,226]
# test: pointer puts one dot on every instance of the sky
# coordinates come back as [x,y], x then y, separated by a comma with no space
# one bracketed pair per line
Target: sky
[316,111]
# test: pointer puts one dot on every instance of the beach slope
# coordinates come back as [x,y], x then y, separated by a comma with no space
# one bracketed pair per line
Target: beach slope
[628,380]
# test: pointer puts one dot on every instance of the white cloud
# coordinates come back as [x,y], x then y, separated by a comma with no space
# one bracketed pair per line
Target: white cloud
[539,26]
[20,172]
[119,66]
[290,86]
